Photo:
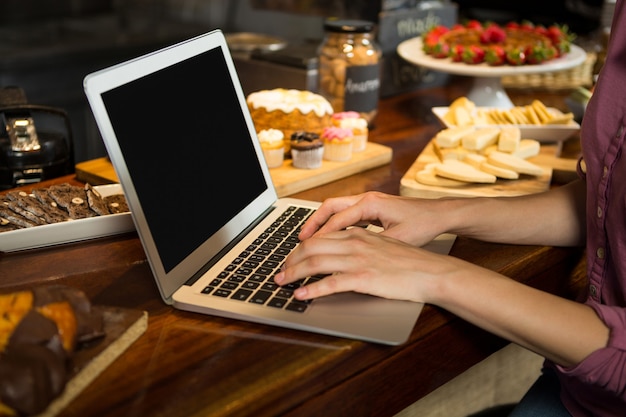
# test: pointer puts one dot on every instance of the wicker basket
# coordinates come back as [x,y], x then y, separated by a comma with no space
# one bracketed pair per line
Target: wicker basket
[580,76]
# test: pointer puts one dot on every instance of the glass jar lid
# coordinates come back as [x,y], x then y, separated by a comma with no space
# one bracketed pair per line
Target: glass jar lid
[348,26]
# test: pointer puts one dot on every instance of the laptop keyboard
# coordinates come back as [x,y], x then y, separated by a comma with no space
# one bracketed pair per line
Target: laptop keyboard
[250,276]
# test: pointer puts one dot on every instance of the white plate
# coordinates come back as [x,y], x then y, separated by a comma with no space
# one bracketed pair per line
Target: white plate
[411,50]
[69,231]
[542,133]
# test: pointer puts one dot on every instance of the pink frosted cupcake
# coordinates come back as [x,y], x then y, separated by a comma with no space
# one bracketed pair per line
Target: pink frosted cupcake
[337,143]
[353,120]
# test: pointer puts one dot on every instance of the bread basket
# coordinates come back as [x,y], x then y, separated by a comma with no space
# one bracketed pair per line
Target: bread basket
[579,76]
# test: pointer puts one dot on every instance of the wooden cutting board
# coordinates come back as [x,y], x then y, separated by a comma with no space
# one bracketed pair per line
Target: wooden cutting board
[122,326]
[287,179]
[526,184]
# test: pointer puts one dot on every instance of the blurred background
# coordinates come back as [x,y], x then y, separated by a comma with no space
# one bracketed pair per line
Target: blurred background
[48,46]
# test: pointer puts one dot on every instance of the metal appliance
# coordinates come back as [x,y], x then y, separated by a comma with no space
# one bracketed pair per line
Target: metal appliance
[36,141]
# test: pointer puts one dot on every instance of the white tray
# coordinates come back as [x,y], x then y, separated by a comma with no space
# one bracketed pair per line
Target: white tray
[69,231]
[542,133]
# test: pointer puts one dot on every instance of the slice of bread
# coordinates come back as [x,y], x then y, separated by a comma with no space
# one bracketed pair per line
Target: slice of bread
[451,137]
[430,177]
[480,138]
[514,163]
[461,171]
[527,148]
[509,138]
[499,172]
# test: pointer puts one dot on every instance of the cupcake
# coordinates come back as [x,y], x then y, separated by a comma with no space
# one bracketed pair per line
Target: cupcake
[337,143]
[306,150]
[353,120]
[273,147]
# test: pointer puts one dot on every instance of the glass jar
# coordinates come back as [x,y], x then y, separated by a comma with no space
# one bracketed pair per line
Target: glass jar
[349,67]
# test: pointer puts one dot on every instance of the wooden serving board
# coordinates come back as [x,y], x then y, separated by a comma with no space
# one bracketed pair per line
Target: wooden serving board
[526,184]
[122,326]
[287,179]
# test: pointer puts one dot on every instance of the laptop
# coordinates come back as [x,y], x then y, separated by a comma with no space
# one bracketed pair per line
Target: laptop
[179,134]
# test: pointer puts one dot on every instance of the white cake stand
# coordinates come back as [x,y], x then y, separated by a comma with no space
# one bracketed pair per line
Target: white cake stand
[487,90]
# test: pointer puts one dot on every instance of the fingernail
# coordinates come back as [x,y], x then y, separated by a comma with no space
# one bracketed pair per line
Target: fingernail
[300,293]
[278,278]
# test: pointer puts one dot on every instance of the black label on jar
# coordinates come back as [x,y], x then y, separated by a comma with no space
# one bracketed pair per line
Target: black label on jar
[362,88]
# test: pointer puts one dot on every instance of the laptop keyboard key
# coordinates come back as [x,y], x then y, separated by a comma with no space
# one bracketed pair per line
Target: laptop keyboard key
[250,276]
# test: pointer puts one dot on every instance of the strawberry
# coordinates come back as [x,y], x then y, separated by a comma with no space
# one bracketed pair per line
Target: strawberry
[473,24]
[433,46]
[438,30]
[456,53]
[474,54]
[512,25]
[492,34]
[515,56]
[537,54]
[561,38]
[542,30]
[527,26]
[440,50]
[495,55]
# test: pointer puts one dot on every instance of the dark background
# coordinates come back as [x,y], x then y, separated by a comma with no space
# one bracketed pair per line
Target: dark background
[48,46]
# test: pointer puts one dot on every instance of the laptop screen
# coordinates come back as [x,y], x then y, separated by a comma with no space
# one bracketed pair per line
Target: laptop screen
[185,142]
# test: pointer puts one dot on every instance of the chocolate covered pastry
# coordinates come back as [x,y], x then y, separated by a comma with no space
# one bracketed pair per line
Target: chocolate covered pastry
[40,329]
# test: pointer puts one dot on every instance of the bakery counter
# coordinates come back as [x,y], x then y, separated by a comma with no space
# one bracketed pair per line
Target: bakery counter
[188,364]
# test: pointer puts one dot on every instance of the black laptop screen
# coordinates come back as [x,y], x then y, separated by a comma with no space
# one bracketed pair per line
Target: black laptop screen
[185,141]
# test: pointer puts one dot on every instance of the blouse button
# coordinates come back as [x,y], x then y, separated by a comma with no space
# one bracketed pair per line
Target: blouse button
[600,253]
[605,171]
[619,131]
[593,290]
[599,212]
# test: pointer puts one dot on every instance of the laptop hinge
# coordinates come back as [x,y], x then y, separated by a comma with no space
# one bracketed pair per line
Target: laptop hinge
[228,247]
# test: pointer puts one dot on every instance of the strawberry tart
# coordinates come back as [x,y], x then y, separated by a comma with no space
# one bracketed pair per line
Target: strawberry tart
[510,44]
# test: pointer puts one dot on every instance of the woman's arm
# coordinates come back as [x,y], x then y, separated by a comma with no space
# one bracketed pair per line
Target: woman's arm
[556,217]
[362,261]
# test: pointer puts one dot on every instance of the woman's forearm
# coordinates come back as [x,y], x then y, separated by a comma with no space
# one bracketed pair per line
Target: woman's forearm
[553,218]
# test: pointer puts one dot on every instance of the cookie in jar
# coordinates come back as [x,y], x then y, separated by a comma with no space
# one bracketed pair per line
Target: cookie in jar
[349,67]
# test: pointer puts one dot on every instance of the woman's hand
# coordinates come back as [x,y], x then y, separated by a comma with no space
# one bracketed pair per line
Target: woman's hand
[365,262]
[410,220]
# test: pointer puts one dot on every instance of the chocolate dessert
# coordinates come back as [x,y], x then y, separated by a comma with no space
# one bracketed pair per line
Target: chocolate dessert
[40,329]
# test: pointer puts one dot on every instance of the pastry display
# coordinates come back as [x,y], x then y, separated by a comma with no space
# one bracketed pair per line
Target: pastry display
[337,143]
[289,111]
[54,204]
[273,145]
[510,44]
[463,112]
[307,150]
[353,120]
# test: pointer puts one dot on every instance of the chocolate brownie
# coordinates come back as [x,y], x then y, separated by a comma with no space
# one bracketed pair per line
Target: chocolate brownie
[8,215]
[73,199]
[117,203]
[95,200]
[7,226]
[49,213]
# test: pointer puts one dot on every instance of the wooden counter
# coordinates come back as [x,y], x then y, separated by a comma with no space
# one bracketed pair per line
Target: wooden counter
[188,364]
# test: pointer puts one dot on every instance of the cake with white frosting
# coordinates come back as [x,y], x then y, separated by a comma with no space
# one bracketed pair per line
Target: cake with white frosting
[289,111]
